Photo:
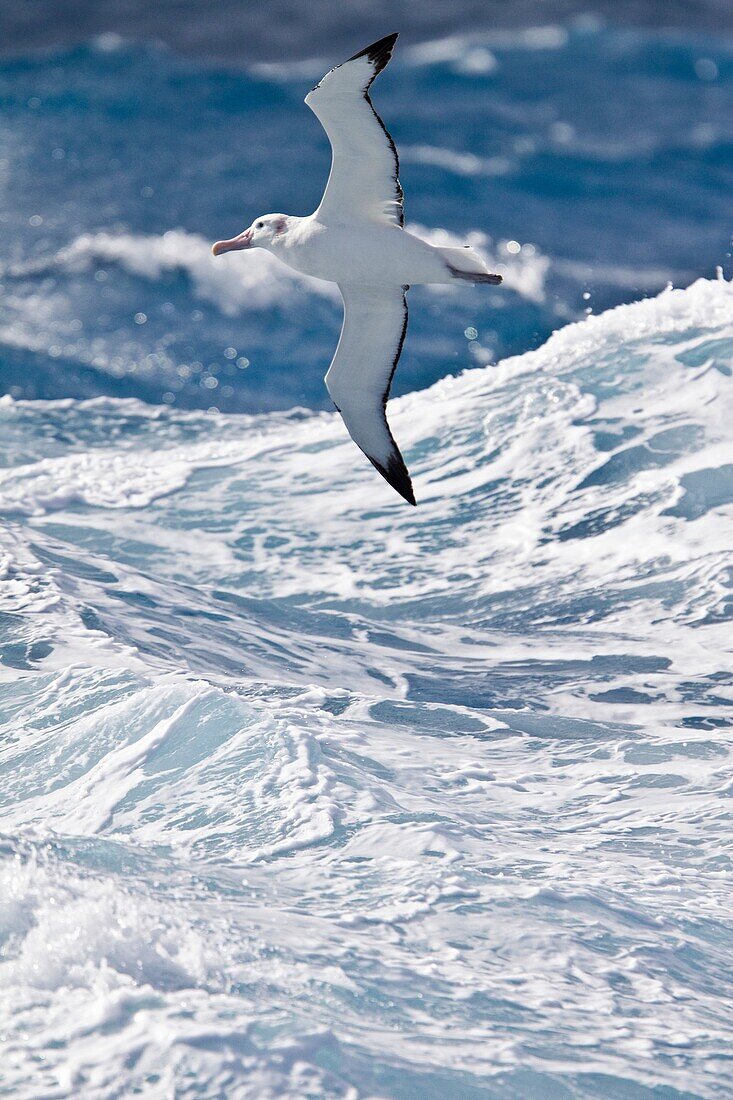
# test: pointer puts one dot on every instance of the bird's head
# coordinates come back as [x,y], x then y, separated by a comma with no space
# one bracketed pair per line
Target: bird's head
[262,233]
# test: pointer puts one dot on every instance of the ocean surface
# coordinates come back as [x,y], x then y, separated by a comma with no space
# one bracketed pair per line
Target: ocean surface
[305,793]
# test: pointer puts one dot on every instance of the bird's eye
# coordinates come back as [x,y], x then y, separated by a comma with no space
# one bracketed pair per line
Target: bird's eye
[259,225]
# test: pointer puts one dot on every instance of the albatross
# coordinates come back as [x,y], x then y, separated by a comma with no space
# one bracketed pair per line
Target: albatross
[357,239]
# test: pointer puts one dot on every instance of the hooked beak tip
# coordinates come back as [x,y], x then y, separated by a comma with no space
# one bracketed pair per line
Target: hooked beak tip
[244,240]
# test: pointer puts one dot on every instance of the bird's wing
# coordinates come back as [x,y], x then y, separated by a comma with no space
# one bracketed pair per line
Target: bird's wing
[364,179]
[375,323]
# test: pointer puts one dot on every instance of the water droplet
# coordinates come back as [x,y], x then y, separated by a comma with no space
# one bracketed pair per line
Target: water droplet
[108,42]
[562,132]
[706,69]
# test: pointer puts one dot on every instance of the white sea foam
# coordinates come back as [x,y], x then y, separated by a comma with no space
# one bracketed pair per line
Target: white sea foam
[462,164]
[112,480]
[468,54]
[523,270]
[304,764]
[226,281]
[234,284]
[472,54]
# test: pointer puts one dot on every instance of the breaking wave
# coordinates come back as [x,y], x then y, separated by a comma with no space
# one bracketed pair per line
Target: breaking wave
[261,280]
[299,784]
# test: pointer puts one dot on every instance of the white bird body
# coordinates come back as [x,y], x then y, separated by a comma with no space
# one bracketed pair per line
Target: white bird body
[356,238]
[362,252]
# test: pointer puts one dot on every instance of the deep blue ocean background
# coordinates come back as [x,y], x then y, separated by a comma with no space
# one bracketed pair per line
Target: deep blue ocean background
[605,153]
[304,793]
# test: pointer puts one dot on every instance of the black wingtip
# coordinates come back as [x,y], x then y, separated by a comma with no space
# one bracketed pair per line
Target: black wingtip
[395,472]
[378,53]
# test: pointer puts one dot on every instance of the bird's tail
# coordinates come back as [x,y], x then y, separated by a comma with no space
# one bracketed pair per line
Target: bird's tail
[465,264]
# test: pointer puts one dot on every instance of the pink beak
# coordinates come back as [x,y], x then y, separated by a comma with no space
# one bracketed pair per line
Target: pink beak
[244,240]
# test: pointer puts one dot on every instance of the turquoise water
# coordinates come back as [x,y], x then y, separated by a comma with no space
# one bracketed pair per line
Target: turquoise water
[306,793]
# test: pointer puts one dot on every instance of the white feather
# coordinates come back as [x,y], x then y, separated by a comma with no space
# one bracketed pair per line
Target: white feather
[364,168]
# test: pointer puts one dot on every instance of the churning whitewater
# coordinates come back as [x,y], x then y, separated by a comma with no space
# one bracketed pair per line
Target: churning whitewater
[282,814]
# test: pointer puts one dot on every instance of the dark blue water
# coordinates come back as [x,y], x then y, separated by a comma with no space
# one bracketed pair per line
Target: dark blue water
[608,152]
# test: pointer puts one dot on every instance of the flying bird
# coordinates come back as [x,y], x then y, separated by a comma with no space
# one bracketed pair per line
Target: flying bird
[357,239]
